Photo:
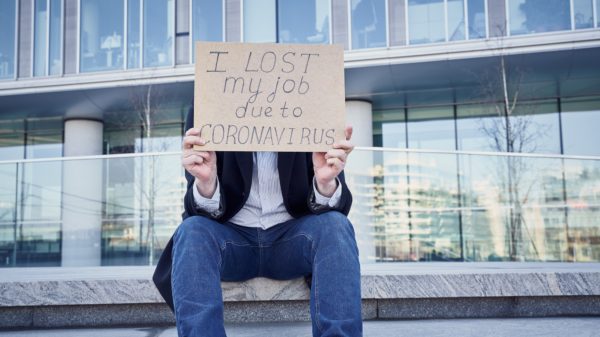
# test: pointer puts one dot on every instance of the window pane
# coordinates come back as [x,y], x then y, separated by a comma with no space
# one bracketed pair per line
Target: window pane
[159,29]
[259,21]
[433,183]
[538,16]
[584,13]
[207,21]
[133,34]
[534,128]
[426,21]
[431,128]
[368,24]
[456,20]
[473,125]
[477,20]
[394,134]
[582,182]
[39,227]
[55,37]
[101,35]
[580,120]
[44,138]
[597,13]
[39,37]
[7,42]
[303,21]
[12,141]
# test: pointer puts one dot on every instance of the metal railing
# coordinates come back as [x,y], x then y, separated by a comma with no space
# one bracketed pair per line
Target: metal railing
[409,205]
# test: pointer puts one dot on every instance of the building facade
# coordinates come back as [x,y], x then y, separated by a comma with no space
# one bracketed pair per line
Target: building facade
[476,122]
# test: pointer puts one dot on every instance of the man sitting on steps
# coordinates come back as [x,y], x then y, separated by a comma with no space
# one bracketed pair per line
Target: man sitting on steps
[276,215]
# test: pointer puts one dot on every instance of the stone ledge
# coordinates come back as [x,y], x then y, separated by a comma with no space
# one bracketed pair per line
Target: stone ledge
[115,315]
[27,287]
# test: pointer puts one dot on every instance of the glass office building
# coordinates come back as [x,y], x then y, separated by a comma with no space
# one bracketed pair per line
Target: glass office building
[476,123]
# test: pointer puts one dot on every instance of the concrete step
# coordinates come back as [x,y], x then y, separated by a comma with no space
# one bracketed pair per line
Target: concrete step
[511,327]
[125,296]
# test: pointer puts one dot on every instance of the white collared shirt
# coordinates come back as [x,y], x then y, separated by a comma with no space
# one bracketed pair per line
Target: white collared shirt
[264,207]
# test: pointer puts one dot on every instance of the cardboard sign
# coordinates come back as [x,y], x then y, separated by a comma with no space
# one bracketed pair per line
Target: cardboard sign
[269,97]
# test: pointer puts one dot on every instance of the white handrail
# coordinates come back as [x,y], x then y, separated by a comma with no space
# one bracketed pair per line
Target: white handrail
[358,148]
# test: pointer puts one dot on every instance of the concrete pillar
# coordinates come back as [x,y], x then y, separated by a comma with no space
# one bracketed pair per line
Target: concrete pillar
[82,194]
[359,176]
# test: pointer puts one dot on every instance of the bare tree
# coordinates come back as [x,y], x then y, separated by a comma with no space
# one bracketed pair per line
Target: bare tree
[147,102]
[512,130]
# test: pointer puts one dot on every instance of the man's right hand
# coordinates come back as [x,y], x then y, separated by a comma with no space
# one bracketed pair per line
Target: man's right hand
[201,164]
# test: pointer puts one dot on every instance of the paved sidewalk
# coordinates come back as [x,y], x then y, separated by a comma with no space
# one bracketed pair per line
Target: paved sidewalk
[506,327]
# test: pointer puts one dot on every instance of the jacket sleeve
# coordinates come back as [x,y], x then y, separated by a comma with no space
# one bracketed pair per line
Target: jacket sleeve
[345,199]
[189,204]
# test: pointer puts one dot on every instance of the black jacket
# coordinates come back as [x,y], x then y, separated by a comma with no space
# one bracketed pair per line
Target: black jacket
[234,170]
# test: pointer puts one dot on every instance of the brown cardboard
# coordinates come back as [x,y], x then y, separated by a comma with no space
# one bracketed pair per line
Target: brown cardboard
[269,97]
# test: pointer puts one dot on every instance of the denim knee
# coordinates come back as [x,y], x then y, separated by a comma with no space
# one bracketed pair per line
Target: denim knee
[196,228]
[335,226]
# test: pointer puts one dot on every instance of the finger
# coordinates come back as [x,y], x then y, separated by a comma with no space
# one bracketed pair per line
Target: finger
[190,141]
[192,132]
[348,132]
[346,145]
[205,155]
[343,144]
[192,160]
[336,153]
[192,152]
[335,162]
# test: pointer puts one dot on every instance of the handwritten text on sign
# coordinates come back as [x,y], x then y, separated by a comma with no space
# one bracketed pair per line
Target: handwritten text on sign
[269,97]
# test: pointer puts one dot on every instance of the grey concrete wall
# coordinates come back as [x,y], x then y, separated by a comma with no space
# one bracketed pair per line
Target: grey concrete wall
[397,22]
[25,44]
[497,18]
[183,33]
[70,37]
[339,22]
[233,21]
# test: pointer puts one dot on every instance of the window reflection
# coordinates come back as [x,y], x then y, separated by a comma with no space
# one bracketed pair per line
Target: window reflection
[39,195]
[472,125]
[8,211]
[133,34]
[580,119]
[159,29]
[456,20]
[7,42]
[426,21]
[55,38]
[101,35]
[432,182]
[39,37]
[368,24]
[310,27]
[535,127]
[597,13]
[431,128]
[538,16]
[477,20]
[582,180]
[260,21]
[207,21]
[583,13]
[47,38]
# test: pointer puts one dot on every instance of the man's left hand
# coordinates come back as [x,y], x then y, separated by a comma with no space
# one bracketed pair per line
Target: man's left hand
[328,165]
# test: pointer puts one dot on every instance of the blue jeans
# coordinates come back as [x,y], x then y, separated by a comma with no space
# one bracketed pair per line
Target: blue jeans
[206,252]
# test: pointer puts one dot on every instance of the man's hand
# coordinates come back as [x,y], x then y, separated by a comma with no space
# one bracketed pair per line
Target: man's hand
[328,165]
[201,164]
